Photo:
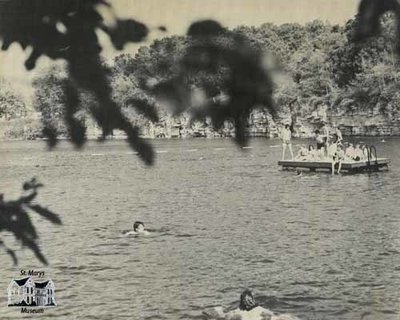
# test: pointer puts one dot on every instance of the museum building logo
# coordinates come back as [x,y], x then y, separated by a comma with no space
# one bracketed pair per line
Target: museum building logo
[27,292]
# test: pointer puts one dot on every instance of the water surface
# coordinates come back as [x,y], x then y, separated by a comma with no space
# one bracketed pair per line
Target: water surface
[317,246]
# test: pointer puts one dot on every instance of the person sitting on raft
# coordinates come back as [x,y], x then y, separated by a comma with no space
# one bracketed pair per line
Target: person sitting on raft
[358,153]
[350,151]
[338,158]
[303,154]
[331,151]
[138,229]
[248,310]
[312,153]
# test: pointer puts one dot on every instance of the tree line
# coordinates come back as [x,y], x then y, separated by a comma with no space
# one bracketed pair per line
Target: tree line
[312,64]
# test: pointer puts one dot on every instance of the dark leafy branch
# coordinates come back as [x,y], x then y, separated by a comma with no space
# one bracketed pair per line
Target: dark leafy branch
[243,86]
[66,29]
[15,219]
[369,15]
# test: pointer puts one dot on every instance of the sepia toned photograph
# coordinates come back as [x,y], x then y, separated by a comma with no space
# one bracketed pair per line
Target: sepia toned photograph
[200,160]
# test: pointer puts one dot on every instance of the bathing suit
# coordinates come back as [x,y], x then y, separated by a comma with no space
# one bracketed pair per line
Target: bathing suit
[337,157]
[286,135]
[320,142]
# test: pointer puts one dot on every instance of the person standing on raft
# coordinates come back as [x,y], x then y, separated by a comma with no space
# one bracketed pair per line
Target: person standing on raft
[286,137]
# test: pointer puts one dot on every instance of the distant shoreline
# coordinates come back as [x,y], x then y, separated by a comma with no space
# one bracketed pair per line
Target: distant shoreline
[120,138]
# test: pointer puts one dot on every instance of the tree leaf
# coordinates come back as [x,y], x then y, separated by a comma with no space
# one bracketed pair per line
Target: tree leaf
[49,215]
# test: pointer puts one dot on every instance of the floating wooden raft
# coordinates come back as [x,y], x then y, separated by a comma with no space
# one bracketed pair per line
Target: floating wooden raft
[351,166]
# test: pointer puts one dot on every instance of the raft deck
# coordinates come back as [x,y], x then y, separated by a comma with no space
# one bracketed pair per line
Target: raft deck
[349,166]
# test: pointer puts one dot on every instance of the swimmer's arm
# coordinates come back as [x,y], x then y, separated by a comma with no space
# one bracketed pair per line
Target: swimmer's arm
[129,232]
[214,313]
[266,316]
[233,316]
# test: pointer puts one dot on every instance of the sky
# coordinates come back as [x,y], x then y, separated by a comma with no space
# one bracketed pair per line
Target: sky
[177,15]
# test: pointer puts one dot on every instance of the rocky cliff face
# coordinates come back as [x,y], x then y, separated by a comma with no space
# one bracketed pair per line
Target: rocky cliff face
[368,125]
[354,123]
[260,124]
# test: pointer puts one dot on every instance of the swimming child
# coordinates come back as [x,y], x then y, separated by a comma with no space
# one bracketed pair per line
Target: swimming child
[248,310]
[138,229]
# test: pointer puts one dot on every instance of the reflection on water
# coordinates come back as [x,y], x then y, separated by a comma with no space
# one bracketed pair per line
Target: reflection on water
[317,246]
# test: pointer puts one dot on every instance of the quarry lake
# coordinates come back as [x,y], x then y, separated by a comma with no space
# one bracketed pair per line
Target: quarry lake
[222,220]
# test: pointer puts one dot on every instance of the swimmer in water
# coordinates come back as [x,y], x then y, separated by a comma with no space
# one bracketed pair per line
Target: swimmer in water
[138,229]
[248,310]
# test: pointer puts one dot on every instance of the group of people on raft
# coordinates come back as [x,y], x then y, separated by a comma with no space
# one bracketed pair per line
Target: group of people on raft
[329,147]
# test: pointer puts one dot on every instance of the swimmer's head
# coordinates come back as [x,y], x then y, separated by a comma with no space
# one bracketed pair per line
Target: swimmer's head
[247,301]
[316,131]
[138,226]
[287,126]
